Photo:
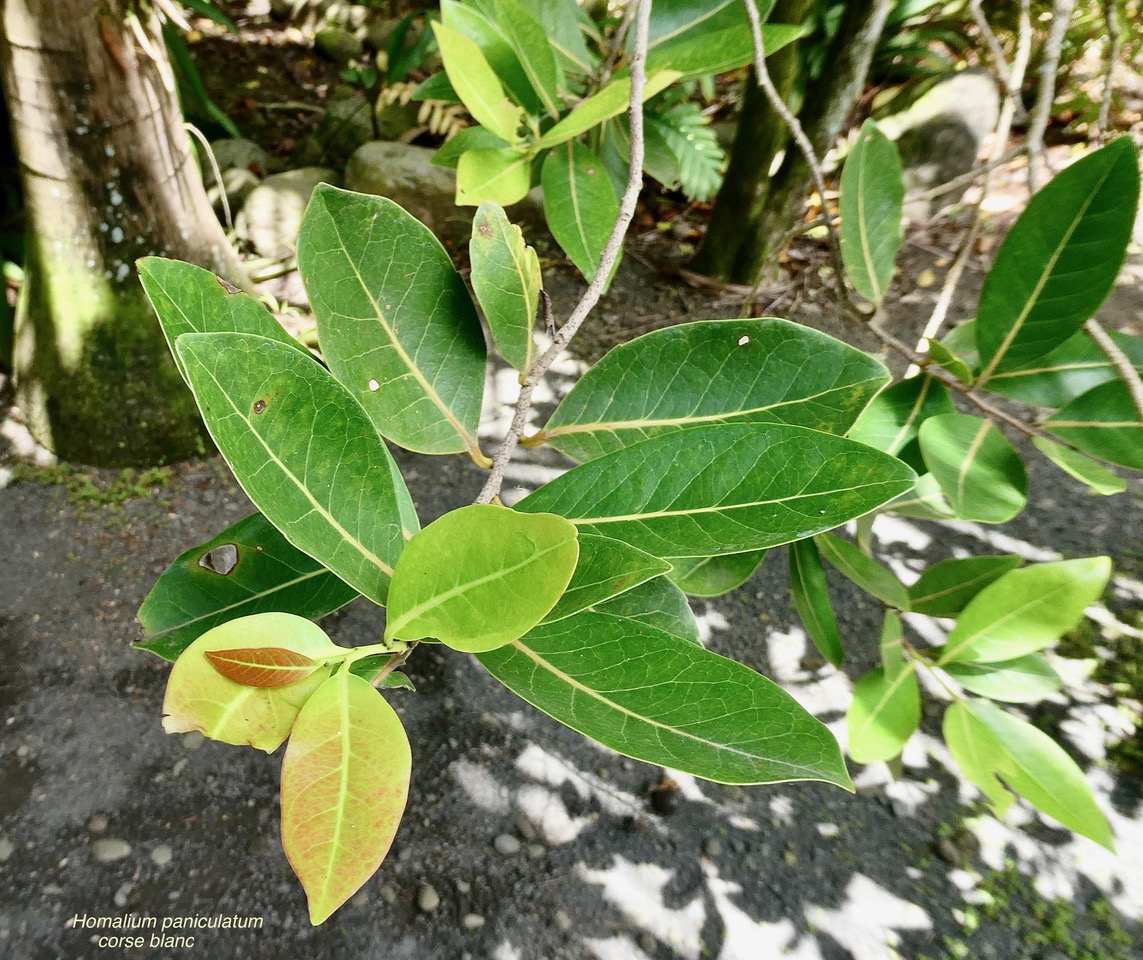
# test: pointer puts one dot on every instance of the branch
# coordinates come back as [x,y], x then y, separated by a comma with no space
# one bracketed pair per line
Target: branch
[607,262]
[1046,91]
[994,48]
[965,178]
[1119,360]
[1114,48]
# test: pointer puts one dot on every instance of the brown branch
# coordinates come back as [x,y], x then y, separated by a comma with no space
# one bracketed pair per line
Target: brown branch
[1123,366]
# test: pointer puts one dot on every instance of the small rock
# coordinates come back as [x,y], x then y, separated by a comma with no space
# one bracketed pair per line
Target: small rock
[712,847]
[537,851]
[360,899]
[162,855]
[665,797]
[193,740]
[647,943]
[7,848]
[257,846]
[506,844]
[121,895]
[97,824]
[347,124]
[388,893]
[463,886]
[812,663]
[272,214]
[524,827]
[428,899]
[110,849]
[563,921]
[52,889]
[234,153]
[472,922]
[338,45]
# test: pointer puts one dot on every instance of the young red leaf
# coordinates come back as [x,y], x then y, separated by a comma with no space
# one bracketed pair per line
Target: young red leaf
[262,666]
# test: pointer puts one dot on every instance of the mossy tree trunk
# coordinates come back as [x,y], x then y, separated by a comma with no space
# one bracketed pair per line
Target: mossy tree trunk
[108,177]
[740,247]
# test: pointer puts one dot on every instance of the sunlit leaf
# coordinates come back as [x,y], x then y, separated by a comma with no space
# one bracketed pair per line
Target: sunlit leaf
[1087,471]
[535,52]
[863,571]
[872,193]
[892,645]
[492,176]
[979,471]
[811,598]
[1024,679]
[884,713]
[609,101]
[476,84]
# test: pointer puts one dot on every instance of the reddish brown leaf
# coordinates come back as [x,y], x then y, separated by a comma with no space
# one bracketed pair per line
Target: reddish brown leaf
[262,666]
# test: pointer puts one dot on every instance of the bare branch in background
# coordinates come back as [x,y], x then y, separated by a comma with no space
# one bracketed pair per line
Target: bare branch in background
[1046,89]
[1114,50]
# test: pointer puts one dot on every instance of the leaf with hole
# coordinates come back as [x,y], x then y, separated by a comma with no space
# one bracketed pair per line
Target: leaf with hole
[200,697]
[713,372]
[395,320]
[872,193]
[946,587]
[506,278]
[864,571]
[1059,260]
[1025,679]
[1103,422]
[345,780]
[714,576]
[647,695]
[480,577]
[884,714]
[605,569]
[979,471]
[1000,753]
[310,482]
[477,84]
[261,572]
[1026,610]
[723,489]
[580,204]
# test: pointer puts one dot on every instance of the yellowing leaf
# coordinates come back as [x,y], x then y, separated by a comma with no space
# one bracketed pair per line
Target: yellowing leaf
[345,780]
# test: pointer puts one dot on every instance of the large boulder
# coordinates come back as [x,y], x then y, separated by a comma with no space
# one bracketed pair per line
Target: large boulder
[272,214]
[940,131]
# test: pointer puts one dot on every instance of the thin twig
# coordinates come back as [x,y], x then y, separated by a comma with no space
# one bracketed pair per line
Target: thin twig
[1046,89]
[965,178]
[1114,48]
[1000,65]
[607,261]
[1123,366]
[618,41]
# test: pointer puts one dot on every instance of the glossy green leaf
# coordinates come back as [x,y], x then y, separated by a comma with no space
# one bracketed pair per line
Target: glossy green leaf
[609,101]
[1070,370]
[714,576]
[979,471]
[200,698]
[924,502]
[304,452]
[872,193]
[395,320]
[537,56]
[711,372]
[863,571]
[656,603]
[1021,680]
[345,780]
[720,50]
[506,278]
[470,138]
[1090,472]
[673,20]
[605,568]
[563,22]
[1026,610]
[477,84]
[954,363]
[884,714]
[731,488]
[893,417]
[248,568]
[492,176]
[189,299]
[480,577]
[479,26]
[1059,260]
[655,697]
[579,203]
[998,752]
[945,588]
[892,646]
[811,598]
[1103,422]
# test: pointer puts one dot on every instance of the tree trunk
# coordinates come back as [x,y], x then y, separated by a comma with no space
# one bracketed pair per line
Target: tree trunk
[826,107]
[108,177]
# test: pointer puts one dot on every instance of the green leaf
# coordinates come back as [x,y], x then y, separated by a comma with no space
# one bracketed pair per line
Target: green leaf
[714,576]
[200,698]
[248,568]
[892,646]
[396,323]
[978,470]
[872,192]
[605,569]
[561,21]
[672,20]
[345,780]
[711,372]
[945,588]
[1070,370]
[811,598]
[1095,475]
[656,603]
[579,203]
[990,744]
[1059,260]
[1104,423]
[709,491]
[536,54]
[470,138]
[506,278]
[895,415]
[955,364]
[304,452]
[609,101]
[699,157]
[884,714]
[479,27]
[438,87]
[863,571]
[655,697]
[480,577]
[492,176]
[924,502]
[1021,680]
[189,299]
[477,85]
[711,51]
[1026,610]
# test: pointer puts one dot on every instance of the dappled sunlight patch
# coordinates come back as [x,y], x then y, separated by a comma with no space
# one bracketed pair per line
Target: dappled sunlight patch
[480,786]
[866,922]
